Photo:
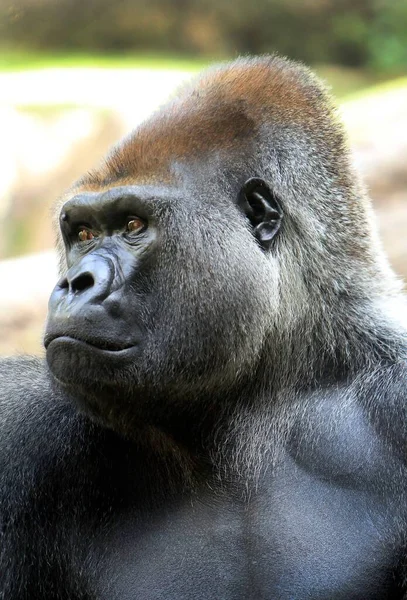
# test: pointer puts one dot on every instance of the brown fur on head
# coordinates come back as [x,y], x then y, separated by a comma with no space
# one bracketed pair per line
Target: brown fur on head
[266,117]
[224,110]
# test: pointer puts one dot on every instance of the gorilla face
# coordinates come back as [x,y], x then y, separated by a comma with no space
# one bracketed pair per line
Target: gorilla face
[166,292]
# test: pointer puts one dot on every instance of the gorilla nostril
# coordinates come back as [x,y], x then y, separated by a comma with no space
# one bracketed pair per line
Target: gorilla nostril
[63,284]
[82,282]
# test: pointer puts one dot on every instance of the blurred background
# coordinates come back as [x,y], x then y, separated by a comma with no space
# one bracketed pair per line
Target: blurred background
[75,75]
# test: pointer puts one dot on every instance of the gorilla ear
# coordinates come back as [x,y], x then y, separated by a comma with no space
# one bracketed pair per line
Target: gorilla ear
[261,207]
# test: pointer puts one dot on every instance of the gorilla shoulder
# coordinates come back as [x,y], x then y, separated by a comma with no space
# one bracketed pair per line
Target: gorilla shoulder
[32,408]
[23,381]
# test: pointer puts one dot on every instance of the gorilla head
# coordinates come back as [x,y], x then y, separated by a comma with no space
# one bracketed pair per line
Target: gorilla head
[216,243]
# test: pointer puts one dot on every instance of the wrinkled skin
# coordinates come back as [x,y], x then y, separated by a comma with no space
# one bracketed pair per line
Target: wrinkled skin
[221,409]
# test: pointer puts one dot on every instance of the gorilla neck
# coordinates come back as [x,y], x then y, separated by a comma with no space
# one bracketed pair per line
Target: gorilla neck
[347,334]
[195,435]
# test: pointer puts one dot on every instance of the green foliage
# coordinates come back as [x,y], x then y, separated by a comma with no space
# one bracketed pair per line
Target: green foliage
[24,59]
[369,33]
[388,36]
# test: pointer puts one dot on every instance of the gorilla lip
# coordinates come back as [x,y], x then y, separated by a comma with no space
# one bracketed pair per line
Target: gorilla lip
[95,345]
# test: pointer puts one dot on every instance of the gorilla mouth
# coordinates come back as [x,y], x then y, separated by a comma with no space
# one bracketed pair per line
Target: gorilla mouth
[95,344]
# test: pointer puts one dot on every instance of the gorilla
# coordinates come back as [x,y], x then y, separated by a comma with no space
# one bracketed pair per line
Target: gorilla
[221,413]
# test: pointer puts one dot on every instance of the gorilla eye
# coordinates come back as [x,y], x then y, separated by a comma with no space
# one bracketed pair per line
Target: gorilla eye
[85,235]
[135,225]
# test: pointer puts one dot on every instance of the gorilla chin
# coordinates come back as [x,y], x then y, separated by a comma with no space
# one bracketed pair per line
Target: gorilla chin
[96,380]
[76,362]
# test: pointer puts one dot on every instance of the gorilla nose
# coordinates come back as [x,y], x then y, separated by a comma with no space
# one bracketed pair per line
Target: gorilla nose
[81,282]
[87,304]
[91,278]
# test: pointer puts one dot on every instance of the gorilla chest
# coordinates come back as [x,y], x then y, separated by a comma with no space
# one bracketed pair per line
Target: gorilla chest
[318,526]
[296,539]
